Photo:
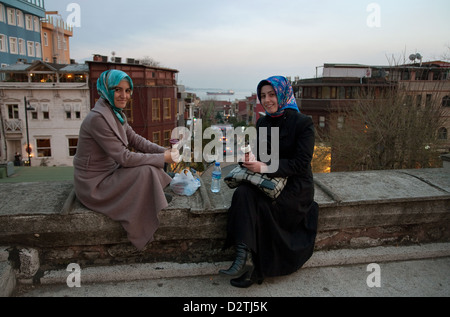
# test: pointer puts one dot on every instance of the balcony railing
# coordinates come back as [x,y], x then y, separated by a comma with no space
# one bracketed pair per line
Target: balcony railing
[13,126]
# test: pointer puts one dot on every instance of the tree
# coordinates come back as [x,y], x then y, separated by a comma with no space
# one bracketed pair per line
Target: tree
[148,61]
[393,131]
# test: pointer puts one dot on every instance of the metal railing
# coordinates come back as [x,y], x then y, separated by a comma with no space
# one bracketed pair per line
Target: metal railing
[13,126]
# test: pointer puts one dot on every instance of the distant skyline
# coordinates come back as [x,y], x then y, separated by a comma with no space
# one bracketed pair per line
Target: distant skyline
[234,44]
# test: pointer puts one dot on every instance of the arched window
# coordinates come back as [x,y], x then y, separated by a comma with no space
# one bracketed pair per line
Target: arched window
[442,134]
[446,101]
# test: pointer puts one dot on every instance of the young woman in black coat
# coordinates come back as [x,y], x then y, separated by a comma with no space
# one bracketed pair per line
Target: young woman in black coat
[275,237]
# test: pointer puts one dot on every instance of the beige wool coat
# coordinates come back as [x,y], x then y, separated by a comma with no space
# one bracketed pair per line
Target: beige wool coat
[110,179]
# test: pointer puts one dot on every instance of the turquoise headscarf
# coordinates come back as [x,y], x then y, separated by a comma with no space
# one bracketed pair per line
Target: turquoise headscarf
[106,85]
[284,91]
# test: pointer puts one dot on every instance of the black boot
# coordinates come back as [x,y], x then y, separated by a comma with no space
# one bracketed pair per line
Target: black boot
[243,262]
[247,279]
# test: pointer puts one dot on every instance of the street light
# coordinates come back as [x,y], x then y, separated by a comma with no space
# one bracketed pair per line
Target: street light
[27,108]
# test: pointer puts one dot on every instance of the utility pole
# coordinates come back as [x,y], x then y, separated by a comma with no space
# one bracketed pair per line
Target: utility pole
[28,149]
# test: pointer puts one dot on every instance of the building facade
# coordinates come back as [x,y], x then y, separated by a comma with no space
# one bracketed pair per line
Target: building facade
[42,106]
[327,99]
[55,38]
[153,110]
[342,85]
[20,31]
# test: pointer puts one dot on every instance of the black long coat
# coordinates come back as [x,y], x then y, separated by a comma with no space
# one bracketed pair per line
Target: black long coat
[280,233]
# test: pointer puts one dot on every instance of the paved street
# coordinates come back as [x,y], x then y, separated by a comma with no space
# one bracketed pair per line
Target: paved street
[375,273]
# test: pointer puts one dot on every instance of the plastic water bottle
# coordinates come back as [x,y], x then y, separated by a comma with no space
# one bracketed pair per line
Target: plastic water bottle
[216,176]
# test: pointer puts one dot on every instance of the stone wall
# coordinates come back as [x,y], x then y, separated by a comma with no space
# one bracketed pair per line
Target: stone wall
[357,210]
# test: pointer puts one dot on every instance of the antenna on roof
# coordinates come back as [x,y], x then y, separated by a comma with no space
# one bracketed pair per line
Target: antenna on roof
[413,58]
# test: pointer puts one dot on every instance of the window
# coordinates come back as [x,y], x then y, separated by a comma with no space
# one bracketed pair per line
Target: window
[3,46]
[11,16]
[128,111]
[45,39]
[30,48]
[326,92]
[306,92]
[13,45]
[44,148]
[68,110]
[167,135]
[355,92]
[333,93]
[319,93]
[341,93]
[406,75]
[409,100]
[77,110]
[22,50]
[38,50]
[348,92]
[156,138]
[429,100]
[167,112]
[19,18]
[446,101]
[45,112]
[322,121]
[33,111]
[419,100]
[37,25]
[442,134]
[13,111]
[73,143]
[2,13]
[340,122]
[58,41]
[3,76]
[28,22]
[156,115]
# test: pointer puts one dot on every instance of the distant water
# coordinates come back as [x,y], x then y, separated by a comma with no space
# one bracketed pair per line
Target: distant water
[202,94]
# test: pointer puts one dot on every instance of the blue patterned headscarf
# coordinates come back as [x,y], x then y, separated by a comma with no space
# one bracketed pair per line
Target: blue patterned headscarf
[284,91]
[106,85]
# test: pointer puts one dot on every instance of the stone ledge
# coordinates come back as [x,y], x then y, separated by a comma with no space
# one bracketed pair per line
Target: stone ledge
[341,257]
[358,209]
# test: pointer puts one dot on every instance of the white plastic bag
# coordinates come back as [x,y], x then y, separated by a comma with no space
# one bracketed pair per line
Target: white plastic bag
[184,183]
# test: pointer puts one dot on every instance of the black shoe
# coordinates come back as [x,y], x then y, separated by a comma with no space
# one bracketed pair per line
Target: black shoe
[247,280]
[243,262]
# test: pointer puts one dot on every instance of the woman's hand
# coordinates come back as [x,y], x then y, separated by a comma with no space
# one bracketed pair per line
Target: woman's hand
[255,166]
[172,156]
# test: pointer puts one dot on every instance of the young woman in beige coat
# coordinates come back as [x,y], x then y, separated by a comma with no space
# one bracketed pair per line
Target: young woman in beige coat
[109,178]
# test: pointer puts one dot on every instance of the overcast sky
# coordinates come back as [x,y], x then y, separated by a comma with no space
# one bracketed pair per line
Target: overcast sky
[233,44]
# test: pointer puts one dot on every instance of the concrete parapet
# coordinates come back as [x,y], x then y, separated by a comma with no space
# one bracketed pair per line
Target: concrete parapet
[357,210]
[7,275]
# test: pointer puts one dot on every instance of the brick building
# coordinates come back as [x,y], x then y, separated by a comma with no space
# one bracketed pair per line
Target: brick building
[154,106]
[342,85]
